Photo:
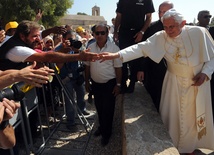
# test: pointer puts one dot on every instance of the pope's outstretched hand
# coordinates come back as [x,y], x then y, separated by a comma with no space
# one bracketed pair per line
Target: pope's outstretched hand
[108,56]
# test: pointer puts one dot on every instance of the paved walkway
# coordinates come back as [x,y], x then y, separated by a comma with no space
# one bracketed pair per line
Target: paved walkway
[145,132]
[137,130]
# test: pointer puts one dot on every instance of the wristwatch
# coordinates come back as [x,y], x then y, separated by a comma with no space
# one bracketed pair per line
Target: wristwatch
[118,84]
[142,32]
[4,124]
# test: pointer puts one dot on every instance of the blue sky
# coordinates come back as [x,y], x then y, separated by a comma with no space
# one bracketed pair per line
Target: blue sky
[189,8]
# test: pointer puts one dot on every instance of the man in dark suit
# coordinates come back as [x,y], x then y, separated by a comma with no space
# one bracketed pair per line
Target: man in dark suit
[203,21]
[129,29]
[154,73]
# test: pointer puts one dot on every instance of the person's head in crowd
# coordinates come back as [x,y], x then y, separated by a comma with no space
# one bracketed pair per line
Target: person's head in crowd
[40,45]
[173,22]
[113,21]
[68,34]
[204,18]
[81,31]
[163,7]
[48,43]
[68,27]
[101,34]
[28,32]
[93,29]
[10,28]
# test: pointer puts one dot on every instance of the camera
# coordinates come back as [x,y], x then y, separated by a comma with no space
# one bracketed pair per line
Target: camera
[16,92]
[75,43]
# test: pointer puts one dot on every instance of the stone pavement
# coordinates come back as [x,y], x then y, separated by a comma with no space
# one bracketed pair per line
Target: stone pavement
[137,130]
[144,131]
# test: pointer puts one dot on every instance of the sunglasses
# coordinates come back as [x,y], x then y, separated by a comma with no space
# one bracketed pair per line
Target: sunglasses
[207,16]
[100,32]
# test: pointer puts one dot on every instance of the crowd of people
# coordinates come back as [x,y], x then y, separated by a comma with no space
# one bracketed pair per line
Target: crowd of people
[173,59]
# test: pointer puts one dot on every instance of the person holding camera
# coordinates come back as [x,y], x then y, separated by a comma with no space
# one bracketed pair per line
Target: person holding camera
[73,79]
[8,108]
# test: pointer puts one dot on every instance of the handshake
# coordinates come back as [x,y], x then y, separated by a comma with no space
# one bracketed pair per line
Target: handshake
[89,56]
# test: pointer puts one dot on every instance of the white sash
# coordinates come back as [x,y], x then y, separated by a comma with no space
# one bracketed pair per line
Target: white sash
[186,71]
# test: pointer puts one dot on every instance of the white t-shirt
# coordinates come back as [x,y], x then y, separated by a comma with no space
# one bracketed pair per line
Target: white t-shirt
[19,53]
[102,72]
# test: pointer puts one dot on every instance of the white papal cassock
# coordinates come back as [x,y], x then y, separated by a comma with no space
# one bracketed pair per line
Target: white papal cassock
[185,109]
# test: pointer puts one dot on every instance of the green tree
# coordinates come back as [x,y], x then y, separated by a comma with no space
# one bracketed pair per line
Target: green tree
[81,13]
[19,10]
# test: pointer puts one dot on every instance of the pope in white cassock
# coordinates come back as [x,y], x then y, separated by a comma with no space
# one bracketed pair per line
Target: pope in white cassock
[185,105]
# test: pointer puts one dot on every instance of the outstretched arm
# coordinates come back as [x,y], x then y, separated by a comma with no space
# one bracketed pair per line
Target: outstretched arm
[58,57]
[30,75]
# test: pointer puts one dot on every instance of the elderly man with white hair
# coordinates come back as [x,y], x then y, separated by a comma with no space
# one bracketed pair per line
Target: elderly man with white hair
[185,105]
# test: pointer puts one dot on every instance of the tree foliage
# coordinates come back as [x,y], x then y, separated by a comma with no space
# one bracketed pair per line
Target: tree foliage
[18,10]
[81,13]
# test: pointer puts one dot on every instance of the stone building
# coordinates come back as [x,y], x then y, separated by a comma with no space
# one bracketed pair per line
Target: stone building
[86,21]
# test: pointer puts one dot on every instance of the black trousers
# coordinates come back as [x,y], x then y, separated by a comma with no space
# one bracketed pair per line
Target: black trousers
[126,38]
[104,101]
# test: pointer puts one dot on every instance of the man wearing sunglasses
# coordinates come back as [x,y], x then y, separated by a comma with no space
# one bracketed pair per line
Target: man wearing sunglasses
[204,18]
[106,81]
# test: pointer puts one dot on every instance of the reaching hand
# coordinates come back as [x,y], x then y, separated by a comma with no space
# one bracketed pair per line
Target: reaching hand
[35,77]
[108,56]
[38,15]
[88,56]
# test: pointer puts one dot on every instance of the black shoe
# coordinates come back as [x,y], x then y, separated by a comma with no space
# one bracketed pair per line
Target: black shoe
[97,133]
[123,90]
[85,112]
[90,100]
[129,90]
[104,141]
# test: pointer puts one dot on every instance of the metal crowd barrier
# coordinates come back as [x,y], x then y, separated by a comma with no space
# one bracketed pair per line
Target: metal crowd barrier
[29,105]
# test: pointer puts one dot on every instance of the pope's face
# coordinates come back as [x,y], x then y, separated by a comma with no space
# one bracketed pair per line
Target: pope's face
[172,27]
